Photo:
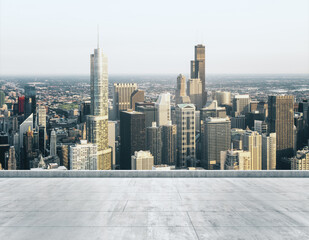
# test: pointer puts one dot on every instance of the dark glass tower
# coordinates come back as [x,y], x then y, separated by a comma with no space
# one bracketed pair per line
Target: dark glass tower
[198,68]
[132,136]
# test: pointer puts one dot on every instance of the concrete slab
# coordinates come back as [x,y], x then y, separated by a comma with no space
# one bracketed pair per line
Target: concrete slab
[154,208]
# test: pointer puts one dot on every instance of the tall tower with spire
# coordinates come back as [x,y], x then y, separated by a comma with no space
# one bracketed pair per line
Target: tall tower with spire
[97,122]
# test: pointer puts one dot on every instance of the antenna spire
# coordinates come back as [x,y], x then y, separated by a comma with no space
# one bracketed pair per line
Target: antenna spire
[98,32]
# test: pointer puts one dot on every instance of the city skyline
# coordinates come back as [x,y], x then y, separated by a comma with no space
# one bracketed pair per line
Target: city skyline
[240,37]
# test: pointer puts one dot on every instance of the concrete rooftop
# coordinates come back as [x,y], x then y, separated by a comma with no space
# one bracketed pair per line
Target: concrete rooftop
[154,208]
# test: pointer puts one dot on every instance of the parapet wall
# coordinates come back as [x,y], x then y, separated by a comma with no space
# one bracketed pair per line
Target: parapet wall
[153,174]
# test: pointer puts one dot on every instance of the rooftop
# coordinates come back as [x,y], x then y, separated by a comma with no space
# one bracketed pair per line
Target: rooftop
[54,207]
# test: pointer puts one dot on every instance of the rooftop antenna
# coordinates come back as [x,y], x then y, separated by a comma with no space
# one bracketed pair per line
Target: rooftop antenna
[98,32]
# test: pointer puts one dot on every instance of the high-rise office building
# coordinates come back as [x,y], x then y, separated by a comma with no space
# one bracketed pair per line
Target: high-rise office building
[122,97]
[136,96]
[181,94]
[2,98]
[185,118]
[301,160]
[4,148]
[83,156]
[142,160]
[154,142]
[84,111]
[281,121]
[11,159]
[132,136]
[269,151]
[111,141]
[148,108]
[41,120]
[252,142]
[212,110]
[21,105]
[163,109]
[23,128]
[216,137]
[198,68]
[241,104]
[169,144]
[260,127]
[181,88]
[97,122]
[238,122]
[195,92]
[235,160]
[42,140]
[30,100]
[53,143]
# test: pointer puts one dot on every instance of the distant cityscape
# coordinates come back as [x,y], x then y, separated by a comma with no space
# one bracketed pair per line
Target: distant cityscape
[154,122]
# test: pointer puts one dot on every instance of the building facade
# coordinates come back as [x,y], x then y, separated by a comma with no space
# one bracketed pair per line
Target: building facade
[216,137]
[122,97]
[185,118]
[83,156]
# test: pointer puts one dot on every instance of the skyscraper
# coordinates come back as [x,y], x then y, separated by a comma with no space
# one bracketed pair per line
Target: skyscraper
[252,142]
[154,142]
[83,156]
[169,144]
[163,107]
[142,160]
[269,151]
[216,137]
[53,143]
[2,98]
[42,139]
[149,110]
[281,121]
[30,101]
[21,105]
[235,160]
[122,97]
[241,104]
[97,122]
[212,110]
[11,160]
[195,92]
[41,116]
[198,68]
[132,136]
[84,110]
[181,94]
[185,118]
[136,96]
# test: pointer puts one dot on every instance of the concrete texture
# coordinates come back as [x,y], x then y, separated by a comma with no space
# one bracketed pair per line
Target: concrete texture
[155,174]
[154,208]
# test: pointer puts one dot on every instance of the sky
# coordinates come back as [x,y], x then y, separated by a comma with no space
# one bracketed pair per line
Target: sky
[154,37]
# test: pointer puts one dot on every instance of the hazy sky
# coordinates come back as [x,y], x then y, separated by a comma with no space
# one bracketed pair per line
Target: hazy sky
[145,37]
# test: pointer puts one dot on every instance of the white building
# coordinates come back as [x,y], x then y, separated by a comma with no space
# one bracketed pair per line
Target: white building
[163,107]
[142,160]
[83,156]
